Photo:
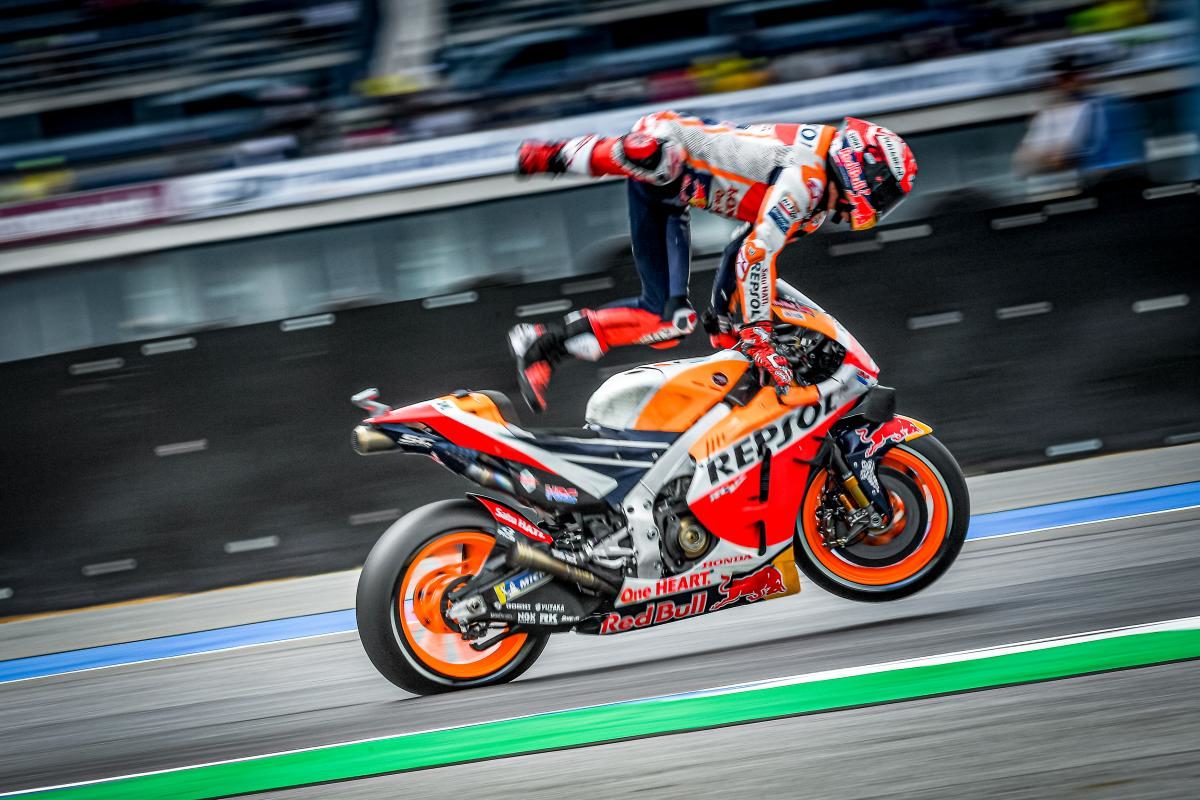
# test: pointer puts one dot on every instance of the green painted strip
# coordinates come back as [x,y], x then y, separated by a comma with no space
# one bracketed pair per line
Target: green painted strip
[598,724]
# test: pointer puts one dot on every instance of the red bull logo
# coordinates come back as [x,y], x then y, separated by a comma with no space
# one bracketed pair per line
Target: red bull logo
[755,586]
[896,431]
[654,614]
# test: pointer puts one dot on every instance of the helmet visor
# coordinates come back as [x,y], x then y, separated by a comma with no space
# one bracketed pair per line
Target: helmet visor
[886,193]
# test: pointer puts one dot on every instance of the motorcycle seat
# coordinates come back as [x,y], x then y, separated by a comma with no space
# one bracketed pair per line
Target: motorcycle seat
[508,410]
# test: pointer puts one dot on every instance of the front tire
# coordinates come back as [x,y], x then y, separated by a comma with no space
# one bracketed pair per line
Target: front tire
[400,591]
[932,511]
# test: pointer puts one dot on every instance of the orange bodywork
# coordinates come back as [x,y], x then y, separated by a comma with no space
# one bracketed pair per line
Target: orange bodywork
[686,397]
[764,408]
[480,405]
[812,319]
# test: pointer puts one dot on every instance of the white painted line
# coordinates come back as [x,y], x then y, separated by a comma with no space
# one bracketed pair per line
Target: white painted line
[1020,221]
[5,593]
[1170,190]
[109,567]
[934,320]
[1026,310]
[447,300]
[593,285]
[103,365]
[901,234]
[1071,206]
[304,323]
[977,654]
[1182,438]
[180,448]
[369,517]
[1161,303]
[853,248]
[1032,645]
[246,545]
[548,307]
[168,346]
[1070,448]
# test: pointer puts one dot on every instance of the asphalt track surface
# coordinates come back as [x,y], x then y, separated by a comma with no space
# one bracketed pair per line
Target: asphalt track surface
[1127,734]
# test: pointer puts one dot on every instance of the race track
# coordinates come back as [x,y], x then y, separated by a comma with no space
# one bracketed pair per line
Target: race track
[1123,734]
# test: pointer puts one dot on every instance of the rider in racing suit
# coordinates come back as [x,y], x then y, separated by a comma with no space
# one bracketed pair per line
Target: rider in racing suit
[781,179]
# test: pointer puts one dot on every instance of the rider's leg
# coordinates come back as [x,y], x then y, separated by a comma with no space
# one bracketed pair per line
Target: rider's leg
[718,319]
[659,317]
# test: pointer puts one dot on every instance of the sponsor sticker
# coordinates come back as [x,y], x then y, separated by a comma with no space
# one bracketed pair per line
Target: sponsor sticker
[515,521]
[520,584]
[665,586]
[528,482]
[876,438]
[750,588]
[655,614]
[562,494]
[780,221]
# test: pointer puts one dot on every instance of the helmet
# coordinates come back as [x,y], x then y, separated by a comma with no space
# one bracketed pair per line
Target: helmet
[874,168]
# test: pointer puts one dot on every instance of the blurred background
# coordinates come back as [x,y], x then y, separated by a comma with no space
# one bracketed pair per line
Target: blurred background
[222,217]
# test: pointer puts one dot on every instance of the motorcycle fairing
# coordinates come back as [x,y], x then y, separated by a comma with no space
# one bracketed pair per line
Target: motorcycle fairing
[757,578]
[468,423]
[752,466]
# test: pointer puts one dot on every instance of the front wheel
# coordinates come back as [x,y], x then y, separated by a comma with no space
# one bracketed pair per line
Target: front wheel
[401,603]
[931,510]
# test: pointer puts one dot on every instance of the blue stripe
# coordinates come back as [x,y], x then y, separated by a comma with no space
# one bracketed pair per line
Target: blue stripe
[1072,512]
[1091,509]
[277,630]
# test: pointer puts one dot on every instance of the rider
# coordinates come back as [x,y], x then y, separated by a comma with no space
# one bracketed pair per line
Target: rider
[781,180]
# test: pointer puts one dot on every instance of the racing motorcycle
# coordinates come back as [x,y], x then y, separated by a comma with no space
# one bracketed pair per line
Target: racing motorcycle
[692,488]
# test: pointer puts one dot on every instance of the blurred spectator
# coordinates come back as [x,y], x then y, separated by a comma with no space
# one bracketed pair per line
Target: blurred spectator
[1073,131]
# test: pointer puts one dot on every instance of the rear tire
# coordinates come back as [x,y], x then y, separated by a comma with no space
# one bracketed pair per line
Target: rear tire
[932,508]
[404,636]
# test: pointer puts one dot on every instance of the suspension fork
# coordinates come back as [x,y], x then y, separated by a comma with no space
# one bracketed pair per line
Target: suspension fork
[855,499]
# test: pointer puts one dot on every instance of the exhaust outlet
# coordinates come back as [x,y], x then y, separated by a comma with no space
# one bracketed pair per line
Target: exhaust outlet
[368,441]
[521,554]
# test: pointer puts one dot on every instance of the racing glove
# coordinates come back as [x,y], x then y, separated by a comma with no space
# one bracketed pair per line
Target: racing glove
[758,344]
[719,329]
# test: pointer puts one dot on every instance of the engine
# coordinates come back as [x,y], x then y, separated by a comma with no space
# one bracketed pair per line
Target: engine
[683,540]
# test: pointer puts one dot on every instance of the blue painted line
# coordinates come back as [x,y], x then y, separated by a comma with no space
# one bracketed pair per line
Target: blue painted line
[1091,509]
[1000,523]
[185,644]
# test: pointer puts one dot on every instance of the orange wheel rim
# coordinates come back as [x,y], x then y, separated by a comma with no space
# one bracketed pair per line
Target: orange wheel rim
[419,605]
[936,501]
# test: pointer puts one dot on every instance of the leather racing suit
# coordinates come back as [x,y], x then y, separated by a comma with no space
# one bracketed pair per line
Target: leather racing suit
[773,177]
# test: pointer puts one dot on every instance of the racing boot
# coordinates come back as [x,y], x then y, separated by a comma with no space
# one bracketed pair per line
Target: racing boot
[536,348]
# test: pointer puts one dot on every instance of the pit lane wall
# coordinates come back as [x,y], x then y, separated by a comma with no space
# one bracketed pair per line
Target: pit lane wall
[1023,334]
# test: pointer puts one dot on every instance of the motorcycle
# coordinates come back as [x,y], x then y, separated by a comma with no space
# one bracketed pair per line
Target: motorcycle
[692,488]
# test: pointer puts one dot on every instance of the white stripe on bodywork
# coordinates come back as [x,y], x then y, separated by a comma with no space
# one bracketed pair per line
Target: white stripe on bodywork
[594,483]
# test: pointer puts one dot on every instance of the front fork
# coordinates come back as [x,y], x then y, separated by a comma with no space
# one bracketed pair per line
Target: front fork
[859,493]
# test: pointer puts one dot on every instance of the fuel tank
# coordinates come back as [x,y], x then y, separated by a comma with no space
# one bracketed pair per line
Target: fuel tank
[668,396]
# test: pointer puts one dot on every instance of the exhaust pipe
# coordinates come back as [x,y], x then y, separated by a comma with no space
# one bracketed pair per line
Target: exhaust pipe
[521,554]
[368,441]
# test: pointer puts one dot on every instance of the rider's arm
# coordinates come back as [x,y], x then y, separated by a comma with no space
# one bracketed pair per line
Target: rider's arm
[787,206]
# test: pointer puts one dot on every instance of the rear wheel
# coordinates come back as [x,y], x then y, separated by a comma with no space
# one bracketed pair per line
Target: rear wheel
[931,510]
[401,605]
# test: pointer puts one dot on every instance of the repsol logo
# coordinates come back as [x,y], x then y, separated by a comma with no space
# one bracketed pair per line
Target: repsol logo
[774,437]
